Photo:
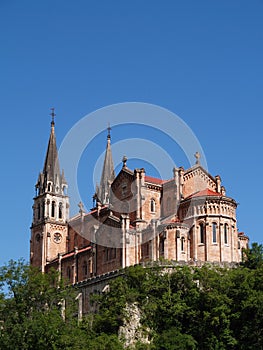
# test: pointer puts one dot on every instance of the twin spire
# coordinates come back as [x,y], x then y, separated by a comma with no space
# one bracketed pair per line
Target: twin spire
[51,179]
[108,174]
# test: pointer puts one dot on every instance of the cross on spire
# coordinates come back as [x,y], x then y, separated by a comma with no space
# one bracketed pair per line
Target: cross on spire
[52,116]
[109,129]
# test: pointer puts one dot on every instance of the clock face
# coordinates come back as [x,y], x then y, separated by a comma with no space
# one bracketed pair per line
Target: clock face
[57,237]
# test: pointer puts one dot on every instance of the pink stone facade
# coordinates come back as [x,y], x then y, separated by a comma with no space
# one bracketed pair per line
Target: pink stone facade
[187,219]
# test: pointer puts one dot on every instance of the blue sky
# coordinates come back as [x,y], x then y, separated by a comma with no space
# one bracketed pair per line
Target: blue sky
[202,60]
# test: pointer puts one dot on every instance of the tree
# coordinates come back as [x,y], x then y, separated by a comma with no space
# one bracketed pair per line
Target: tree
[253,257]
[31,310]
[38,311]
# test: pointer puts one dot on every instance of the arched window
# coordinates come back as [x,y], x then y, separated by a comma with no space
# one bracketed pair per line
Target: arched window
[226,233]
[75,240]
[60,210]
[161,246]
[38,211]
[85,268]
[90,267]
[182,244]
[49,187]
[214,231]
[202,233]
[152,205]
[43,209]
[53,205]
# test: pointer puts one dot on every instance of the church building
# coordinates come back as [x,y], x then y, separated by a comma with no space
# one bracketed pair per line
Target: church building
[136,218]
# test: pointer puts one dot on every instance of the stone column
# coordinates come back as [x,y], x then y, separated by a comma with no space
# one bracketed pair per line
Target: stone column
[221,240]
[195,242]
[177,243]
[207,240]
[123,242]
[75,266]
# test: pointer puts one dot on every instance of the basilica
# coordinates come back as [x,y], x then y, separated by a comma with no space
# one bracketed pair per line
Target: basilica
[135,219]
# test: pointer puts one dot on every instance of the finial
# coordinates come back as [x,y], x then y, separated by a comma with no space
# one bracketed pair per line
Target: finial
[109,129]
[52,116]
[124,161]
[81,207]
[197,156]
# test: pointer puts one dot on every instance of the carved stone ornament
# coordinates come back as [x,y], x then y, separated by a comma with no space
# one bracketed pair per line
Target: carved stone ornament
[57,237]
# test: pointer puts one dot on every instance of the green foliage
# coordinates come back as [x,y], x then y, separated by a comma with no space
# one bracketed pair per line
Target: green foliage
[190,308]
[31,311]
[206,308]
[173,339]
[253,257]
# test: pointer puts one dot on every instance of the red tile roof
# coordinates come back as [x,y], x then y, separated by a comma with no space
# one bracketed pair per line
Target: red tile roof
[154,180]
[206,192]
[67,255]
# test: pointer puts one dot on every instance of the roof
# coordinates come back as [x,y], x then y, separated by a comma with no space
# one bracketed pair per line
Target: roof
[79,251]
[154,180]
[207,192]
[171,219]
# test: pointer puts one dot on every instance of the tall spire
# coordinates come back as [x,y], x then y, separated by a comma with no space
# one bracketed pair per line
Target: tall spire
[51,166]
[51,179]
[108,173]
[51,207]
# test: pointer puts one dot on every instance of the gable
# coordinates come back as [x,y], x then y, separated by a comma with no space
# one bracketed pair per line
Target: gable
[197,179]
[121,187]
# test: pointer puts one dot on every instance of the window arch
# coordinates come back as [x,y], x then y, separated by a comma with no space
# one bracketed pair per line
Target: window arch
[53,206]
[85,268]
[226,234]
[214,229]
[60,210]
[38,211]
[202,232]
[49,187]
[75,240]
[90,267]
[182,244]
[152,205]
[43,209]
[161,246]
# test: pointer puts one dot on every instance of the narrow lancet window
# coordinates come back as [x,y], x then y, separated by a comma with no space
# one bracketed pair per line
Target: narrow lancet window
[60,211]
[53,205]
[226,234]
[214,232]
[202,233]
[152,205]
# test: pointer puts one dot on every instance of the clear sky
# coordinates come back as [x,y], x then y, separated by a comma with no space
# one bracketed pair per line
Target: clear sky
[202,60]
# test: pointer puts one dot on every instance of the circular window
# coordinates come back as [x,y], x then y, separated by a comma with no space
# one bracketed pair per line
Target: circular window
[57,237]
[37,237]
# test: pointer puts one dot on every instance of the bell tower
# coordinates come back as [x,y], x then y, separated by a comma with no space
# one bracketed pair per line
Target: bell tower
[49,229]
